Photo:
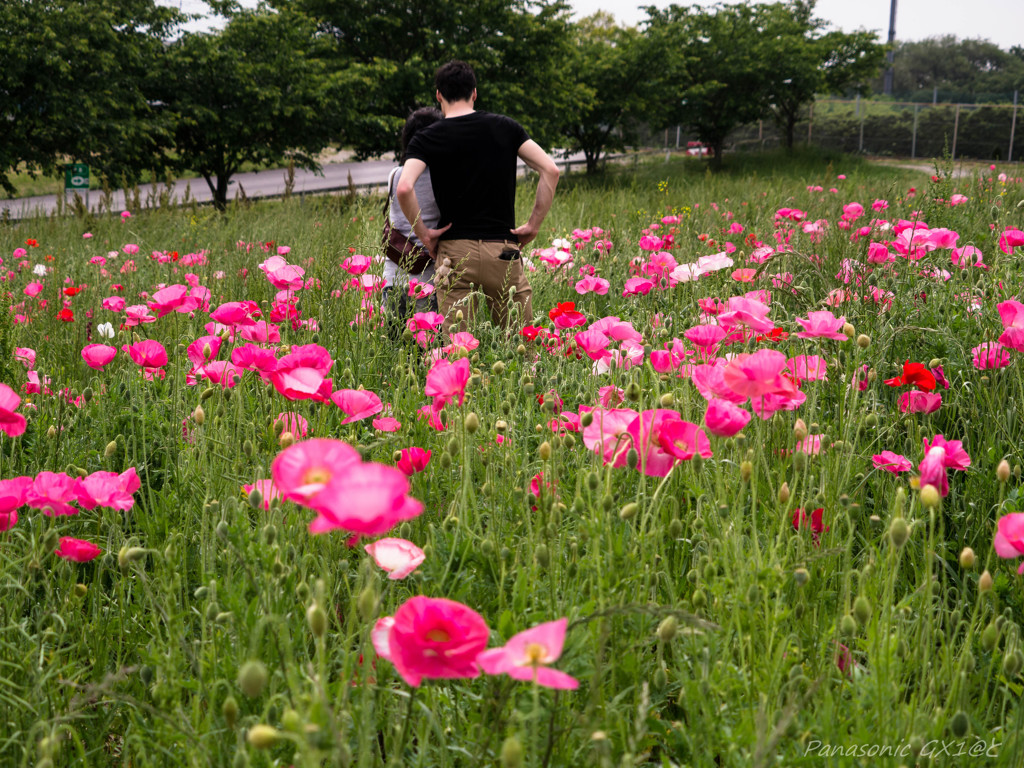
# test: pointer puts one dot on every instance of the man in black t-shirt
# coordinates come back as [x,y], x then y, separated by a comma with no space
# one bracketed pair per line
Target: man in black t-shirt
[473,159]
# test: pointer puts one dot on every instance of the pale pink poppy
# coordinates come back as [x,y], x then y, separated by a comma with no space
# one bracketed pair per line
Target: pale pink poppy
[758,374]
[610,396]
[593,343]
[1009,539]
[637,286]
[303,470]
[808,368]
[705,336]
[592,284]
[114,303]
[261,332]
[747,312]
[891,462]
[968,256]
[137,314]
[11,424]
[957,199]
[436,638]
[821,325]
[607,434]
[364,498]
[387,424]
[77,550]
[357,404]
[380,636]
[725,419]
[616,329]
[51,492]
[709,378]
[396,556]
[526,656]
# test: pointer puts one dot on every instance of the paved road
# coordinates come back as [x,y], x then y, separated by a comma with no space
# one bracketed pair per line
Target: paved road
[367,175]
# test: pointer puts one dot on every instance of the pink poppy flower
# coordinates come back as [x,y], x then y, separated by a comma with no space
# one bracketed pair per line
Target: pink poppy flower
[12,496]
[447,381]
[592,284]
[436,638]
[413,460]
[108,489]
[173,298]
[725,419]
[1010,238]
[26,356]
[114,303]
[33,289]
[808,368]
[637,286]
[593,343]
[920,402]
[758,374]
[710,382]
[990,354]
[293,423]
[746,312]
[380,636]
[303,470]
[51,492]
[267,490]
[261,332]
[77,550]
[396,556]
[364,498]
[137,314]
[300,375]
[1009,539]
[957,199]
[387,424]
[234,313]
[432,413]
[968,256]
[610,396]
[97,356]
[11,424]
[250,357]
[147,353]
[357,404]
[821,325]
[526,656]
[705,336]
[891,462]
[8,519]
[607,434]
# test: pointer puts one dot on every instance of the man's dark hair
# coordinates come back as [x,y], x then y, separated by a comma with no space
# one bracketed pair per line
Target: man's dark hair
[417,121]
[455,80]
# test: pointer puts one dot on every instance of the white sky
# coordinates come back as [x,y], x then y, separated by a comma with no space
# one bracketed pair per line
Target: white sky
[1001,21]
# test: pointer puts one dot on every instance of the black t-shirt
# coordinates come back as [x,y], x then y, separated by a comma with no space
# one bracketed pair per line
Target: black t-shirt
[472,160]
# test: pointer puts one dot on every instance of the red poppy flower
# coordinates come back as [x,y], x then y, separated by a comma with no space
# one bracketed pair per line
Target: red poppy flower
[529,332]
[800,520]
[775,334]
[66,315]
[174,256]
[72,290]
[32,243]
[565,315]
[916,375]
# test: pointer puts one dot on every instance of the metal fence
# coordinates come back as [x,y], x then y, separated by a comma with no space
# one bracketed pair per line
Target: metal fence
[990,132]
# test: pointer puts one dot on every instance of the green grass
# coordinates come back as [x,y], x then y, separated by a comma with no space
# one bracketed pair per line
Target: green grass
[134,659]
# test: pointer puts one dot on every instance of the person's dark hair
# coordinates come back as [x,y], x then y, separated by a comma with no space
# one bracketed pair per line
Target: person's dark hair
[417,121]
[455,80]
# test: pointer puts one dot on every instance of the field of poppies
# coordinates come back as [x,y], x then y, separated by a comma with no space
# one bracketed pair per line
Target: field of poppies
[745,491]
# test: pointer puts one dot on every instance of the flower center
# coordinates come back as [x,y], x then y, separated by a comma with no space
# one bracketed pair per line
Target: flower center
[316,476]
[438,636]
[536,654]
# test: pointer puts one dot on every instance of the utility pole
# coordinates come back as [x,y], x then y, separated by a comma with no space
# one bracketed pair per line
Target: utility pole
[887,89]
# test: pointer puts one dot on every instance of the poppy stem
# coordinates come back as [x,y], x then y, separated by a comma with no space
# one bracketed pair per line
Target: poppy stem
[397,758]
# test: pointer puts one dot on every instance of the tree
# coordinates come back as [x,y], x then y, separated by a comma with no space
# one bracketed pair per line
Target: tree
[809,61]
[716,69]
[253,92]
[964,70]
[387,51]
[72,76]
[615,65]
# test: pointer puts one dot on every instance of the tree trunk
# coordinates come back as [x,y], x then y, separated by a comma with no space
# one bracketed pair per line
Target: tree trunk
[220,196]
[716,153]
[593,157]
[790,131]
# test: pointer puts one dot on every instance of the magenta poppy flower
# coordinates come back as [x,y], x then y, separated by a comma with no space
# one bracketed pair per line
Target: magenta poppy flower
[52,493]
[705,336]
[261,332]
[147,353]
[432,414]
[637,286]
[11,424]
[301,374]
[1010,238]
[222,372]
[436,638]
[593,343]
[108,489]
[891,462]
[920,402]
[413,460]
[77,550]
[250,357]
[114,303]
[990,354]
[821,325]
[12,496]
[742,311]
[293,423]
[357,404]
[173,298]
[396,556]
[364,498]
[97,356]
[526,656]
[758,374]
[267,490]
[592,284]
[607,434]
[1009,540]
[26,356]
[725,419]
[808,368]
[447,381]
[234,313]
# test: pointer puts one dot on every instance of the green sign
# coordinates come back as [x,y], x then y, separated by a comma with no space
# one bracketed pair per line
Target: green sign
[76,176]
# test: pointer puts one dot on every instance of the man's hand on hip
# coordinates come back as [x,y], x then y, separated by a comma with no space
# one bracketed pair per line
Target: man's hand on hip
[525,233]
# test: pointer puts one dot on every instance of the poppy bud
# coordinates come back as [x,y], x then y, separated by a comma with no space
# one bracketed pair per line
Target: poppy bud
[632,458]
[629,511]
[667,629]
[799,461]
[286,440]
[699,599]
[784,493]
[587,419]
[800,429]
[930,497]
[543,555]
[746,470]
[862,609]
[255,498]
[472,422]
[544,451]
[1003,471]
[51,432]
[801,576]
[633,392]
[262,736]
[934,362]
[863,341]
[1012,663]
[967,558]
[199,415]
[959,724]
[252,677]
[230,711]
[849,330]
[81,590]
[110,449]
[667,400]
[511,753]
[367,603]
[848,625]
[316,617]
[898,531]
[989,637]
[985,581]
[498,368]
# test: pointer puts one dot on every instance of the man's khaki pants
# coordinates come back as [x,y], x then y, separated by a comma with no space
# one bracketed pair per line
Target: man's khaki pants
[475,264]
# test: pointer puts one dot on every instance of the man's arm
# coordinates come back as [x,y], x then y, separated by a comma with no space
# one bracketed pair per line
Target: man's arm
[538,160]
[406,194]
